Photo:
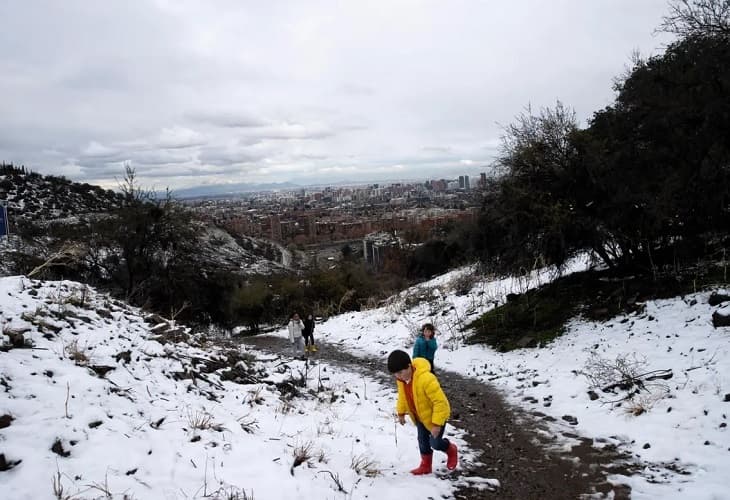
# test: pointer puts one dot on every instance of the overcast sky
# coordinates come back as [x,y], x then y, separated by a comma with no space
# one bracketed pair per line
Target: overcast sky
[197,92]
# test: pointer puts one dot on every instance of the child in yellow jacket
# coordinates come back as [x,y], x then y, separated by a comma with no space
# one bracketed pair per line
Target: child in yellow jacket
[420,395]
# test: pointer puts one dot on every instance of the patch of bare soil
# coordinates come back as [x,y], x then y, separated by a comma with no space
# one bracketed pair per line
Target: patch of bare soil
[517,448]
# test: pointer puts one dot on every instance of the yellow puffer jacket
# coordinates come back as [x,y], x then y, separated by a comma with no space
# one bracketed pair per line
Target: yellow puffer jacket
[431,403]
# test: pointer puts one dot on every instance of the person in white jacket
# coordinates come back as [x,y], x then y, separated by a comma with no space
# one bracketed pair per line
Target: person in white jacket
[295,334]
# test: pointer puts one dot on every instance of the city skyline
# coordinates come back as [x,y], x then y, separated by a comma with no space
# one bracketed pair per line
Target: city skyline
[195,95]
[215,191]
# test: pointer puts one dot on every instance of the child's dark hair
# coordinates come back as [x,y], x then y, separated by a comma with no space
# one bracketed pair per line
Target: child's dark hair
[398,360]
[428,326]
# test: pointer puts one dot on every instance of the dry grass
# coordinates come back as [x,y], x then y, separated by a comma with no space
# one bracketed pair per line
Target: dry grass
[363,465]
[254,396]
[336,478]
[284,407]
[248,424]
[200,420]
[76,353]
[59,492]
[231,493]
[322,457]
[302,453]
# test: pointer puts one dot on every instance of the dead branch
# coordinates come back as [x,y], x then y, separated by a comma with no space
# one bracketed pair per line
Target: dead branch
[638,381]
[68,254]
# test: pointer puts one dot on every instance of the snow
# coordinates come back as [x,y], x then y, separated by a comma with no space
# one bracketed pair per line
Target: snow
[686,428]
[145,445]
[133,433]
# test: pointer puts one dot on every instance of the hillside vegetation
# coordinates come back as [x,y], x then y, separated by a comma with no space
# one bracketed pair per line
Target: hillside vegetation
[644,188]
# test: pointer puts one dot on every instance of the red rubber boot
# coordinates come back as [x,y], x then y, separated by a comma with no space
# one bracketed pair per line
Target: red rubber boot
[425,467]
[452,457]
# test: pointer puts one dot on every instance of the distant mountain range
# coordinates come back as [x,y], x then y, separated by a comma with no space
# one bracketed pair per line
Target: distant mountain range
[218,190]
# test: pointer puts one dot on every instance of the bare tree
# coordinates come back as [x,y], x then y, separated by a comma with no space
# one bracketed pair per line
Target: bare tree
[697,18]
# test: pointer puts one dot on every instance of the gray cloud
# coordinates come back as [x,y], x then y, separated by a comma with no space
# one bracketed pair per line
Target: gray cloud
[227,156]
[226,119]
[195,93]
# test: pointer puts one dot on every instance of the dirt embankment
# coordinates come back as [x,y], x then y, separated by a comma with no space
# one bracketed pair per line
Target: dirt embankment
[515,446]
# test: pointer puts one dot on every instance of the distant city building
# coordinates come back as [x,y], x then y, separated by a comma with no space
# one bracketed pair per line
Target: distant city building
[464,182]
[482,180]
[375,246]
[275,228]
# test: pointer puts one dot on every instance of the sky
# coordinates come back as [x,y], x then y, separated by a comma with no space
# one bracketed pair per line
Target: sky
[134,432]
[195,93]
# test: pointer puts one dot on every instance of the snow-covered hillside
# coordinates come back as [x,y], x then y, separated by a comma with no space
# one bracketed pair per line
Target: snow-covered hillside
[106,402]
[675,428]
[97,403]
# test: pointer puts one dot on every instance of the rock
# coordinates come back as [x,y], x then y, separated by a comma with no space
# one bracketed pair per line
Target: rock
[592,395]
[125,356]
[717,298]
[570,419]
[720,319]
[16,339]
[101,370]
[156,319]
[5,421]
[57,448]
[7,464]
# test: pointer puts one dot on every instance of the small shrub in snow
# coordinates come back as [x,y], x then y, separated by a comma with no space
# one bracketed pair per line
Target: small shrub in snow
[76,353]
[626,379]
[201,420]
[363,465]
[302,453]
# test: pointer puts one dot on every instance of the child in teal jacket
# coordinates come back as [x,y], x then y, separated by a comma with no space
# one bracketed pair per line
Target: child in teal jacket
[425,346]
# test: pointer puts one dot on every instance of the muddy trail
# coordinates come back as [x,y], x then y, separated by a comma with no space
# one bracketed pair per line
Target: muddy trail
[515,445]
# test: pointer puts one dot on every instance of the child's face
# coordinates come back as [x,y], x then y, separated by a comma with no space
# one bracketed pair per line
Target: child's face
[405,374]
[428,333]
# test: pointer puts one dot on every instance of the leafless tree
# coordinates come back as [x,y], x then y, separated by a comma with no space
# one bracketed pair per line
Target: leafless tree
[697,18]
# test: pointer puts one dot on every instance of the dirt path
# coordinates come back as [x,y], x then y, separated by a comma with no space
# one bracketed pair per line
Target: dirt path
[515,446]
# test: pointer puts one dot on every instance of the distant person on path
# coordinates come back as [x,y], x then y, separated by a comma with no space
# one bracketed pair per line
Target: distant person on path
[420,395]
[308,333]
[295,333]
[426,345]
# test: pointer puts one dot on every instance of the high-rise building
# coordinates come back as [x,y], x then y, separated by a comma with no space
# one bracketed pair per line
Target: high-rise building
[276,233]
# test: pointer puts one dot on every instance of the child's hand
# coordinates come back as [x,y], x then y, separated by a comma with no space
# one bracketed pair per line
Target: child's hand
[402,419]
[435,430]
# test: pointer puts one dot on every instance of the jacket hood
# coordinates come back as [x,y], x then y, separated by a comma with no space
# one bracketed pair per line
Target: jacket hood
[421,365]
